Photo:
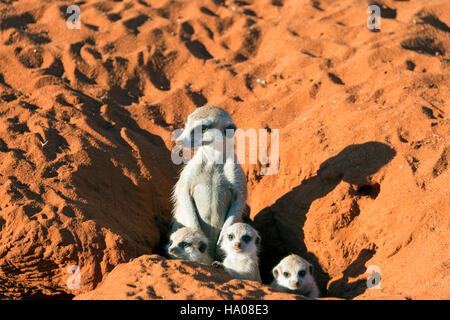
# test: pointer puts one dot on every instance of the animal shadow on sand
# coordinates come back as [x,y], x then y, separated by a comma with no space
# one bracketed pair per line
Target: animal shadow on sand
[281,224]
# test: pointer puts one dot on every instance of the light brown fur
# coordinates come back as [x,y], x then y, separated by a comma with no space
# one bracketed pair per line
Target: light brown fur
[195,248]
[295,275]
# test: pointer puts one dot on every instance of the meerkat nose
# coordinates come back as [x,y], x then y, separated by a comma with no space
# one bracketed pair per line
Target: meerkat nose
[170,250]
[237,245]
[295,284]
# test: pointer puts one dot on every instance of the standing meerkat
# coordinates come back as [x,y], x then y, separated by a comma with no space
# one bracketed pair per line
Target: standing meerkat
[188,244]
[295,275]
[240,245]
[212,189]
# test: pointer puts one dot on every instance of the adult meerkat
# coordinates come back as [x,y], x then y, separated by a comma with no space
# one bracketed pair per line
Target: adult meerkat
[188,244]
[240,245]
[295,275]
[212,189]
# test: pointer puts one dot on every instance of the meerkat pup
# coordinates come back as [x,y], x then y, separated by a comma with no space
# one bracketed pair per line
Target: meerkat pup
[295,275]
[212,189]
[188,244]
[240,245]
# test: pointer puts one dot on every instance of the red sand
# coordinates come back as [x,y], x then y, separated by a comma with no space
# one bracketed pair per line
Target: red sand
[86,118]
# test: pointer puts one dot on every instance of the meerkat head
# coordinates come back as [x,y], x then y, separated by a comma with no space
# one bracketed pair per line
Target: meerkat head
[240,238]
[187,244]
[205,126]
[293,272]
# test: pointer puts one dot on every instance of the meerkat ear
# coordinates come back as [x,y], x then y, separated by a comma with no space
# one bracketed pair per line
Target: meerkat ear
[202,247]
[275,273]
[219,241]
[168,245]
[229,130]
[258,240]
[311,269]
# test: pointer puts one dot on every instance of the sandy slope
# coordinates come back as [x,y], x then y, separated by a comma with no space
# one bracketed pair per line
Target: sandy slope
[86,117]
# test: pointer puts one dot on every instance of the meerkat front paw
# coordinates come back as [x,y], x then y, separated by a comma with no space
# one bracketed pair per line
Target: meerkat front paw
[217,264]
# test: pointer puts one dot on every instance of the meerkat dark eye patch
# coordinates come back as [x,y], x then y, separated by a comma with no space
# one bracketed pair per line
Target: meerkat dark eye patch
[302,273]
[286,274]
[229,130]
[230,127]
[183,244]
[205,127]
[231,236]
[246,238]
[202,247]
